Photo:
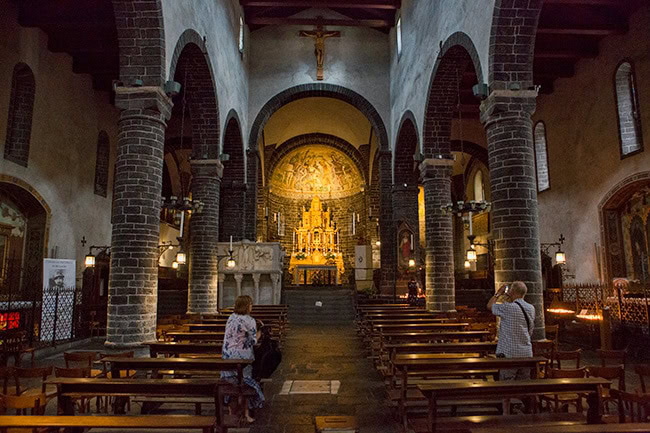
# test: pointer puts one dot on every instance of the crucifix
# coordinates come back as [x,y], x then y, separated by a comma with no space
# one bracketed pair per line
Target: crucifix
[319,35]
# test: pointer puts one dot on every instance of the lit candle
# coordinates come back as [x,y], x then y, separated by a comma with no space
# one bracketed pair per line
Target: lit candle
[230,242]
[412,246]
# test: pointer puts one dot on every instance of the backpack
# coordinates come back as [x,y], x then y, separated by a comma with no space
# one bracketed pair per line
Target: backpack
[267,356]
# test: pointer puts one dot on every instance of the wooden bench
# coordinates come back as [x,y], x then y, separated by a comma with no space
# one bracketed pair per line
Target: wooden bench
[71,389]
[196,336]
[178,348]
[425,366]
[389,352]
[588,428]
[591,387]
[166,422]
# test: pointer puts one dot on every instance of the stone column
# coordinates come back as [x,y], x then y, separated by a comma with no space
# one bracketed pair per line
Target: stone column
[250,211]
[204,235]
[256,281]
[238,280]
[133,283]
[506,115]
[436,177]
[386,229]
[405,208]
[222,279]
[276,282]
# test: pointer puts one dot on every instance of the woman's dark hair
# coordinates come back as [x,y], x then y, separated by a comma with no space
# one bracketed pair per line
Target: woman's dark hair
[243,304]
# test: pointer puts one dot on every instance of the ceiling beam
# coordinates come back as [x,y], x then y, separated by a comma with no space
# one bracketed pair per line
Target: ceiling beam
[340,4]
[269,21]
[583,2]
[603,31]
[566,54]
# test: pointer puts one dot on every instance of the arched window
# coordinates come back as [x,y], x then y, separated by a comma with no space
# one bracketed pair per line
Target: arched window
[629,116]
[479,186]
[21,109]
[241,34]
[541,157]
[101,164]
[398,35]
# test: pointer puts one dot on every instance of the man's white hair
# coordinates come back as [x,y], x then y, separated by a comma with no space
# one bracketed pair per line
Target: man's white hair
[519,289]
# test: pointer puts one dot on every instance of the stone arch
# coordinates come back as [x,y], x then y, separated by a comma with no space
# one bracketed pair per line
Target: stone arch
[37,229]
[141,40]
[101,163]
[191,67]
[512,43]
[472,149]
[317,138]
[21,111]
[610,224]
[233,183]
[406,148]
[318,90]
[455,56]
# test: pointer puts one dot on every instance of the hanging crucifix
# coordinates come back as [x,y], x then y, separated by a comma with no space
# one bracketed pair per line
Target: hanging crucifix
[319,35]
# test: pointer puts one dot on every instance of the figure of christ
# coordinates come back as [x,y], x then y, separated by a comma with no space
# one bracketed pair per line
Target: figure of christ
[319,35]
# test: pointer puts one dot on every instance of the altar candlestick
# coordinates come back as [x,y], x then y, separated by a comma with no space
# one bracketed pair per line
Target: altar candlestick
[230,242]
[294,241]
[411,240]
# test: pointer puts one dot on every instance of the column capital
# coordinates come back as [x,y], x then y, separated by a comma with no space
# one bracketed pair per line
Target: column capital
[508,104]
[207,167]
[144,98]
[435,168]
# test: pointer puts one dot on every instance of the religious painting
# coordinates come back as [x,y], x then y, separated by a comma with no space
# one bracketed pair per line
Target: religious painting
[316,169]
[634,214]
[405,245]
[639,249]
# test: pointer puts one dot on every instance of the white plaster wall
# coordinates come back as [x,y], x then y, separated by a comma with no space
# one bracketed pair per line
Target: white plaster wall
[358,60]
[68,114]
[583,145]
[425,25]
[218,21]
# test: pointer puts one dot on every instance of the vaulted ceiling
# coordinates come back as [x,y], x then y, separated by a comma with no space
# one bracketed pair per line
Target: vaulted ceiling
[379,14]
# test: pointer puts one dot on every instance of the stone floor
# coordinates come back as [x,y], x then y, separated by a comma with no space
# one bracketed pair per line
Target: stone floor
[325,352]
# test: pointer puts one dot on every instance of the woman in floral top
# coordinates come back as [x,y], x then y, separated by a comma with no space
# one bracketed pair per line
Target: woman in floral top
[238,342]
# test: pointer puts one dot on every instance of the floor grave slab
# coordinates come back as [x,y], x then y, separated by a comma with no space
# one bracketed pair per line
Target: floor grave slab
[291,387]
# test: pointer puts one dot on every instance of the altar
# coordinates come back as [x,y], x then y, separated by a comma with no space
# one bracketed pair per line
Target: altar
[316,257]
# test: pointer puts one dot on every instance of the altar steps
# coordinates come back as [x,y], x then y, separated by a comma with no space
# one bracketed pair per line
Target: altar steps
[336,306]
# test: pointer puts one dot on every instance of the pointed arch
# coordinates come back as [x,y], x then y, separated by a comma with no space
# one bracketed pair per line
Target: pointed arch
[21,111]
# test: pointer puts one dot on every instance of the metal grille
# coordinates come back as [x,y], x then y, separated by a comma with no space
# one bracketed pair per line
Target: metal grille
[628,307]
[21,301]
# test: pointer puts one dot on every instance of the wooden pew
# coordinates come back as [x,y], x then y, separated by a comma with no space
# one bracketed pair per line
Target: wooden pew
[213,365]
[208,388]
[196,336]
[507,388]
[176,349]
[206,424]
[588,428]
[483,348]
[425,366]
[419,327]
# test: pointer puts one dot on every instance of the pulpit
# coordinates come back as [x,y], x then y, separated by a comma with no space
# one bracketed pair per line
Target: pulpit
[316,257]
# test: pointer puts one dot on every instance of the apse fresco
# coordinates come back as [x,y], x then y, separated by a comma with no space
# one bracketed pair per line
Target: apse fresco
[316,169]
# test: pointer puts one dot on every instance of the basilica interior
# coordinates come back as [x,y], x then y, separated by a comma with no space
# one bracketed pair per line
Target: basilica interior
[369,173]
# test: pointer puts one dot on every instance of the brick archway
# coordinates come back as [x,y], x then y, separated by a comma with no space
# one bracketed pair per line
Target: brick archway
[318,90]
[406,147]
[141,41]
[191,67]
[472,149]
[457,54]
[512,43]
[233,184]
[608,215]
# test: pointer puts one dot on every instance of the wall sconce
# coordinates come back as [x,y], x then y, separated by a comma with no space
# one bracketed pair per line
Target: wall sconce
[471,254]
[378,242]
[181,258]
[90,259]
[411,263]
[467,264]
[174,264]
[560,256]
[231,263]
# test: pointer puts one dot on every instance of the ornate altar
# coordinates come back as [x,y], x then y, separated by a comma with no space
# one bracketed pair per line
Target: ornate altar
[316,256]
[257,272]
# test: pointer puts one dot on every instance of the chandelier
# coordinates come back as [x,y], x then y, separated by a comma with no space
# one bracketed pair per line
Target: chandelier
[462,207]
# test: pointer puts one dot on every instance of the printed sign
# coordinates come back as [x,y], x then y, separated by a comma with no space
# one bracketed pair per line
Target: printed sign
[58,299]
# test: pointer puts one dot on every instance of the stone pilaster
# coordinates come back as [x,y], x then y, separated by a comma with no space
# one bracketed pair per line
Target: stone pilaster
[133,284]
[386,229]
[204,235]
[250,211]
[506,115]
[440,291]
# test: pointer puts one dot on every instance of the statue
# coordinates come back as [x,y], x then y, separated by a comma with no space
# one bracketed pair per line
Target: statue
[319,35]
